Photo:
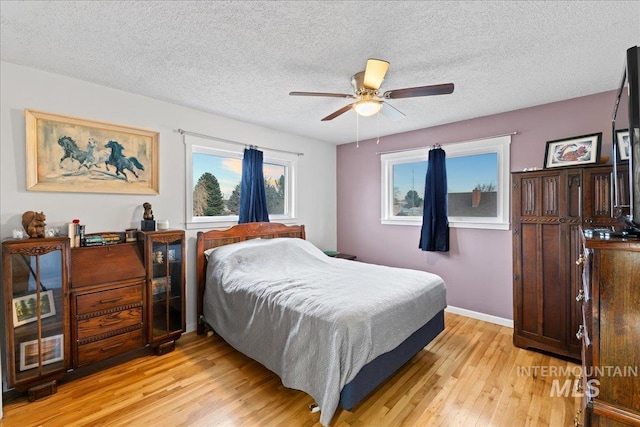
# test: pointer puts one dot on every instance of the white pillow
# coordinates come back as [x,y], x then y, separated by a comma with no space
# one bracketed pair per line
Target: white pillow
[209,251]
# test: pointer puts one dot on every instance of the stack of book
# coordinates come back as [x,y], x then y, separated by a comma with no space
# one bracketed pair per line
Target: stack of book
[93,240]
[102,239]
[111,238]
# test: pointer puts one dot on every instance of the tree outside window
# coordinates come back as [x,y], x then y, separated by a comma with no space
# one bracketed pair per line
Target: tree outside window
[217,186]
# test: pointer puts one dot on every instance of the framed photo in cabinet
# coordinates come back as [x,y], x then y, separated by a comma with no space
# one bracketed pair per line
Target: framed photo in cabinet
[160,285]
[52,351]
[25,308]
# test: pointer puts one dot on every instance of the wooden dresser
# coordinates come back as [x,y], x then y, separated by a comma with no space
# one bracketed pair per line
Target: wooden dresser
[67,309]
[610,332]
[107,299]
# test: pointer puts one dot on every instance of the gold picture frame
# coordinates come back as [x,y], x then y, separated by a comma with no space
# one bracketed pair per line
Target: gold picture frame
[70,154]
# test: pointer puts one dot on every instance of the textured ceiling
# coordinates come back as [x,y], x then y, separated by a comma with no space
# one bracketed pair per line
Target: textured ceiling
[241,59]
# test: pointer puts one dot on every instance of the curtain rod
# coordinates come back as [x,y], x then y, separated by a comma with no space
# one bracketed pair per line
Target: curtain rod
[437,145]
[228,141]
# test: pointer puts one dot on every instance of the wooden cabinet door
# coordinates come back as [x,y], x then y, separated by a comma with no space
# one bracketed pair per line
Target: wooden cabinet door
[546,220]
[35,279]
[623,196]
[600,208]
[165,260]
[598,197]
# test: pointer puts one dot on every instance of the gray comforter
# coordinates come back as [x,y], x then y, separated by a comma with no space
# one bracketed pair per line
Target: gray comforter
[313,320]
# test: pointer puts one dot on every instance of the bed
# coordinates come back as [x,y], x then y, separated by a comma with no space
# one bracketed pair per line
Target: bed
[281,301]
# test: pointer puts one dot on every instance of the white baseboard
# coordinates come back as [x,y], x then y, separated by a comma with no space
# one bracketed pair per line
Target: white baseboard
[191,327]
[480,316]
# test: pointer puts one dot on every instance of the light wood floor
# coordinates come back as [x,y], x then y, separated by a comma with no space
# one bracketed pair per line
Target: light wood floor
[468,376]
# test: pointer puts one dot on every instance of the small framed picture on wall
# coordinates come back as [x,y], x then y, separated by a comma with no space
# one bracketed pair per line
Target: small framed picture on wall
[574,151]
[622,142]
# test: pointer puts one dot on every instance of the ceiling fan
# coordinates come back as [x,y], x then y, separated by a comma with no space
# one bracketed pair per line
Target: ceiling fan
[368,101]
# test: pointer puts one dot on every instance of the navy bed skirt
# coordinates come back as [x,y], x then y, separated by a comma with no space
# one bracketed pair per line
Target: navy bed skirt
[382,367]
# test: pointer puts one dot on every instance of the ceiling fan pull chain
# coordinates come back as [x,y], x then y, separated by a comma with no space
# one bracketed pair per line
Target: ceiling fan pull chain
[357,132]
[378,126]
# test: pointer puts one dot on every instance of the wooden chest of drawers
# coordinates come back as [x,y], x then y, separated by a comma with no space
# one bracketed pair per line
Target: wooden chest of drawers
[107,302]
[610,333]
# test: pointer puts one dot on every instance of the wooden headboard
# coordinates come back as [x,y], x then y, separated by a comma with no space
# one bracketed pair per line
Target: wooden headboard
[235,234]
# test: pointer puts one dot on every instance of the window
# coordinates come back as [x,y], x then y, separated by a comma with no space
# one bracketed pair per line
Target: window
[213,183]
[477,184]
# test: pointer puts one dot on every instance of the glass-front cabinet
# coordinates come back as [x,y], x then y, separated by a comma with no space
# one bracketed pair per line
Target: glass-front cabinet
[35,291]
[165,260]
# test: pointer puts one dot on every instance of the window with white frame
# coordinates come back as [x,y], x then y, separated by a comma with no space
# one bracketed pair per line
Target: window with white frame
[477,184]
[214,174]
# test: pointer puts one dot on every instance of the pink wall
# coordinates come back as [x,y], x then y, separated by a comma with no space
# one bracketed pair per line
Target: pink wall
[478,268]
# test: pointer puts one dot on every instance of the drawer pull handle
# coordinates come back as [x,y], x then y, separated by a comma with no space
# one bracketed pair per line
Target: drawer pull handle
[107,301]
[580,296]
[576,419]
[579,385]
[580,332]
[111,347]
[580,259]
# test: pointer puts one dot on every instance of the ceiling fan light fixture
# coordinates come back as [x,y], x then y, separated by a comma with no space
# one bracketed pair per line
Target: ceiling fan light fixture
[367,107]
[368,100]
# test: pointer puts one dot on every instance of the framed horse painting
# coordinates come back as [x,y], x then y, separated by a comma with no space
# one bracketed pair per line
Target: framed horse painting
[79,155]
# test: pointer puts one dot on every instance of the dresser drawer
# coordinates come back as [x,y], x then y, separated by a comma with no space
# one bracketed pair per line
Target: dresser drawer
[107,323]
[105,300]
[109,347]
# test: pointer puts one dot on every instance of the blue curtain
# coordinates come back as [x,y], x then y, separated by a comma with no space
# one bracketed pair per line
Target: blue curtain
[253,197]
[435,224]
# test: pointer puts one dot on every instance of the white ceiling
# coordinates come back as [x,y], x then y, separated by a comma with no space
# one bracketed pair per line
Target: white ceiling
[241,59]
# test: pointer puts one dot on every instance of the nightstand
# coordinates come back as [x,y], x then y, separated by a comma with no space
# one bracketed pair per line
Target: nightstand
[345,256]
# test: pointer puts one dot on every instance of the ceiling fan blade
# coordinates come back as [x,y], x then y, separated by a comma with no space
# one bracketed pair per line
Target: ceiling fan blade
[337,113]
[374,73]
[331,95]
[391,112]
[412,92]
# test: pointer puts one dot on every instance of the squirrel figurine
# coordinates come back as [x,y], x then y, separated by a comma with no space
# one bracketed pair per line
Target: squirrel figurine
[33,223]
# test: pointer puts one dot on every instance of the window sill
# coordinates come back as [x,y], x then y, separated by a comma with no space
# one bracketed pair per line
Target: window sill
[452,224]
[224,224]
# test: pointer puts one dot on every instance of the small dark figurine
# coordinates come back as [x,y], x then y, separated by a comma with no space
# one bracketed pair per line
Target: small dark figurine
[147,223]
[148,213]
[33,223]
